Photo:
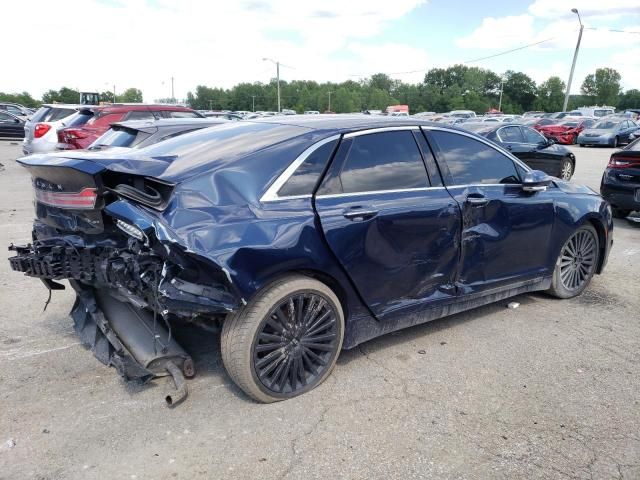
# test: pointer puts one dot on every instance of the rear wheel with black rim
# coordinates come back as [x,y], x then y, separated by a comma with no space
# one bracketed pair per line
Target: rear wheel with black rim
[567,169]
[285,341]
[576,263]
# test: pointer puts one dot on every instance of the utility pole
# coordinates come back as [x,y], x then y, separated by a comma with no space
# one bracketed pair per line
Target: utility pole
[253,103]
[573,65]
[210,104]
[173,98]
[277,63]
[329,109]
[114,93]
[501,90]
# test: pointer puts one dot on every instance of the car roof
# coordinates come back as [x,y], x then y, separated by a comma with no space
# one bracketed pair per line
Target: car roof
[170,122]
[342,122]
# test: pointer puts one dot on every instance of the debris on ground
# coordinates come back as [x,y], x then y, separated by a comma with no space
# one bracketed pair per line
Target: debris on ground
[421,352]
[10,443]
[513,305]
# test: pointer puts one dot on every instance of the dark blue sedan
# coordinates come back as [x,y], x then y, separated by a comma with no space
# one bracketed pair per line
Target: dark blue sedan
[300,236]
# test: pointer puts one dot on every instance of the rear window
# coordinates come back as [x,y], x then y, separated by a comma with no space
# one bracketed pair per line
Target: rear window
[78,119]
[51,114]
[123,137]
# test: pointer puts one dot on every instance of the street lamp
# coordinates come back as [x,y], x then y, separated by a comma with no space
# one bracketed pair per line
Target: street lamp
[573,65]
[329,100]
[277,75]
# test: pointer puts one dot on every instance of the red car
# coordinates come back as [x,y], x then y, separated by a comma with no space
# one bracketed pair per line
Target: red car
[94,121]
[537,123]
[566,131]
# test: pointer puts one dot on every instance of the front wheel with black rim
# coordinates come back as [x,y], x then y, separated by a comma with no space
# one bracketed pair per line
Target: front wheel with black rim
[567,169]
[576,263]
[285,341]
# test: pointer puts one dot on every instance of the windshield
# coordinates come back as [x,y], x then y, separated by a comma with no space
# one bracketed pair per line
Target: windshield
[606,125]
[78,119]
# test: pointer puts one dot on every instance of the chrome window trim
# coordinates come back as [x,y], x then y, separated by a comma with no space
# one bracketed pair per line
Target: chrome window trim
[379,192]
[481,139]
[271,195]
[380,130]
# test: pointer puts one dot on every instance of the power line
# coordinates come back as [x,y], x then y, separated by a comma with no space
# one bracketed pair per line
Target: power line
[510,51]
[611,30]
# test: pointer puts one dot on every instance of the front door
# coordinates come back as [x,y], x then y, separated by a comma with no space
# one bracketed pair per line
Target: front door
[505,231]
[395,234]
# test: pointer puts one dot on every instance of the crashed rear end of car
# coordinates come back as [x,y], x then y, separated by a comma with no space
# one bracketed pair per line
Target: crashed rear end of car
[124,231]
[97,229]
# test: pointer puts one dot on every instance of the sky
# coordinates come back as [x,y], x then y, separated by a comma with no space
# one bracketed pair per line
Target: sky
[93,45]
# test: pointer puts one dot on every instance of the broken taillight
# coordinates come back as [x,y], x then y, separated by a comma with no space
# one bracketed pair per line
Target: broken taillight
[85,199]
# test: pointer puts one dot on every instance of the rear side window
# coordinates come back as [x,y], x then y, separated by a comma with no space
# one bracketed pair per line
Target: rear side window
[531,136]
[116,138]
[51,114]
[511,135]
[381,161]
[472,162]
[304,179]
[182,115]
[140,115]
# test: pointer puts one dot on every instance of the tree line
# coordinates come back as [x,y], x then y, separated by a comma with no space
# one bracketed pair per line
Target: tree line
[442,90]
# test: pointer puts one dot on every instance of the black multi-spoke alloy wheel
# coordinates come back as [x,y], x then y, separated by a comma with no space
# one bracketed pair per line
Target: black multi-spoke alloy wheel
[286,341]
[576,263]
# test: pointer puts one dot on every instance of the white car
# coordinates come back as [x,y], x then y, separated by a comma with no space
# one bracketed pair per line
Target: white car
[41,130]
[312,112]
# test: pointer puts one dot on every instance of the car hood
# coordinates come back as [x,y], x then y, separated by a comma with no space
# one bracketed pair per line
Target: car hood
[574,188]
[598,131]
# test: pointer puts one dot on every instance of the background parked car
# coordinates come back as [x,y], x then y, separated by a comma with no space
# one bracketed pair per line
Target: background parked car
[40,130]
[224,115]
[531,147]
[621,180]
[567,130]
[142,133]
[82,135]
[16,109]
[11,126]
[608,131]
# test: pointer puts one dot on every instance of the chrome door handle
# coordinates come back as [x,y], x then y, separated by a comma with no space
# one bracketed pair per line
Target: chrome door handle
[359,214]
[477,201]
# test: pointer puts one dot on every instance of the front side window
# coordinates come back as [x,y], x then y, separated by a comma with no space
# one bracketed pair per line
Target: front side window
[472,162]
[531,136]
[303,181]
[381,161]
[5,118]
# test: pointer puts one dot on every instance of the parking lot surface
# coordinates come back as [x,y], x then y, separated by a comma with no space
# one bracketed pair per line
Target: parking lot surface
[547,390]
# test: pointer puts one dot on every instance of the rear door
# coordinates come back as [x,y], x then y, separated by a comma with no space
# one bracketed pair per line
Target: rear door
[10,126]
[395,232]
[512,139]
[505,231]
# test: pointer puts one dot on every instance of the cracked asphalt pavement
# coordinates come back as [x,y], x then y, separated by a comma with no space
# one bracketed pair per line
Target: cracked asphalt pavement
[547,390]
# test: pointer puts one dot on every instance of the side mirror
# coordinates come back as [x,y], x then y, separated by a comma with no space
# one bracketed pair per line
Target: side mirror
[16,120]
[535,181]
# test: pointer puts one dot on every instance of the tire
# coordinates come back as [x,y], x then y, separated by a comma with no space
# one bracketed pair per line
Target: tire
[582,144]
[574,139]
[620,212]
[576,263]
[615,142]
[566,171]
[268,331]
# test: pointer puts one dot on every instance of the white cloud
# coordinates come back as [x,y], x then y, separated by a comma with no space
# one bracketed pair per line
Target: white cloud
[92,44]
[587,8]
[501,32]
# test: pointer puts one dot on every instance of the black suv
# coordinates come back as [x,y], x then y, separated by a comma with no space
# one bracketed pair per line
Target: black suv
[621,180]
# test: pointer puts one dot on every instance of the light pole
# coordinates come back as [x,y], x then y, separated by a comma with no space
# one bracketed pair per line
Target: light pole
[253,103]
[329,109]
[501,90]
[277,75]
[173,98]
[573,65]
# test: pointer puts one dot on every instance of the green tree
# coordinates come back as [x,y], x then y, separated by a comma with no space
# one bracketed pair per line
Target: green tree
[520,90]
[64,95]
[107,96]
[130,95]
[550,95]
[603,86]
[630,99]
[23,98]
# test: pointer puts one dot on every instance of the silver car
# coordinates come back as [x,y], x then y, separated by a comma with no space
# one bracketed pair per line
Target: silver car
[608,131]
[40,131]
